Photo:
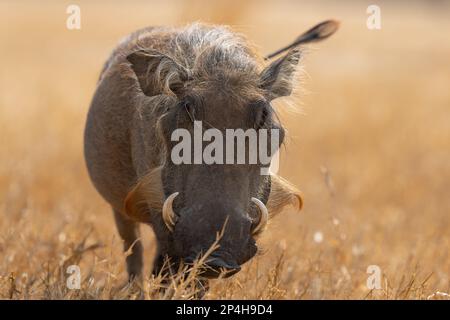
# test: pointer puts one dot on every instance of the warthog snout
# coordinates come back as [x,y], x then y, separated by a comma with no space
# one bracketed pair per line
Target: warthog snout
[215,233]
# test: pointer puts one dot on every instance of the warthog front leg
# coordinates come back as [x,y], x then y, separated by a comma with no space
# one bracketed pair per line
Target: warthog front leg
[129,232]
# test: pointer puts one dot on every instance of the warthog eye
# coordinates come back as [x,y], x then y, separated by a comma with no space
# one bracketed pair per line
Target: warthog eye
[261,114]
[190,109]
[192,106]
[263,118]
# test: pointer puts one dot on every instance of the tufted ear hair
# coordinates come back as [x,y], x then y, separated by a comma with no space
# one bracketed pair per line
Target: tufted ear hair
[283,193]
[158,73]
[146,196]
[277,79]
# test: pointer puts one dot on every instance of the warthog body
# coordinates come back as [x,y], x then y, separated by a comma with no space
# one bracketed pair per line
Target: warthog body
[158,80]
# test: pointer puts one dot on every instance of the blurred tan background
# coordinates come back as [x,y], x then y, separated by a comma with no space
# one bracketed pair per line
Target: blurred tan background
[370,149]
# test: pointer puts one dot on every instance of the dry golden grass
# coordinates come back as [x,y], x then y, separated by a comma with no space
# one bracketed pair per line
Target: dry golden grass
[371,153]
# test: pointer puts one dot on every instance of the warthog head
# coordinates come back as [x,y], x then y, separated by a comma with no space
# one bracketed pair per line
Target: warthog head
[221,85]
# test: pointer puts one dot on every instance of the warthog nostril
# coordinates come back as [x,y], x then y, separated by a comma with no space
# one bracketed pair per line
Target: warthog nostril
[217,266]
[219,263]
[214,267]
[189,260]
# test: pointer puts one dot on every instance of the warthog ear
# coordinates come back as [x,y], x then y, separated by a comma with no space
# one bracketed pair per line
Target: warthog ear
[282,193]
[277,78]
[158,73]
[146,196]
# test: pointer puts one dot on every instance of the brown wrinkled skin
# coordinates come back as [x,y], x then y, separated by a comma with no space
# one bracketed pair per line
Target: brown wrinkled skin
[124,144]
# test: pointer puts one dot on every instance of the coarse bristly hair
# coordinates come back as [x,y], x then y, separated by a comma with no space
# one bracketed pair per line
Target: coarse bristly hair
[197,57]
[210,57]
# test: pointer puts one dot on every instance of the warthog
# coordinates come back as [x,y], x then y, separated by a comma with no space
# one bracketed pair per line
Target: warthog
[160,79]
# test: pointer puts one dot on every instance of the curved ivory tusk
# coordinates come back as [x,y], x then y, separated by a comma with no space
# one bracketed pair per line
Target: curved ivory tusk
[167,211]
[264,216]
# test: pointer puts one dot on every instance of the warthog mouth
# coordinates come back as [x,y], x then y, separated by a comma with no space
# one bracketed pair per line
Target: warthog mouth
[216,267]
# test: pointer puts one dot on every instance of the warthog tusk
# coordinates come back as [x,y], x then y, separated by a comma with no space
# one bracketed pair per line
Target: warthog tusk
[167,211]
[263,216]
